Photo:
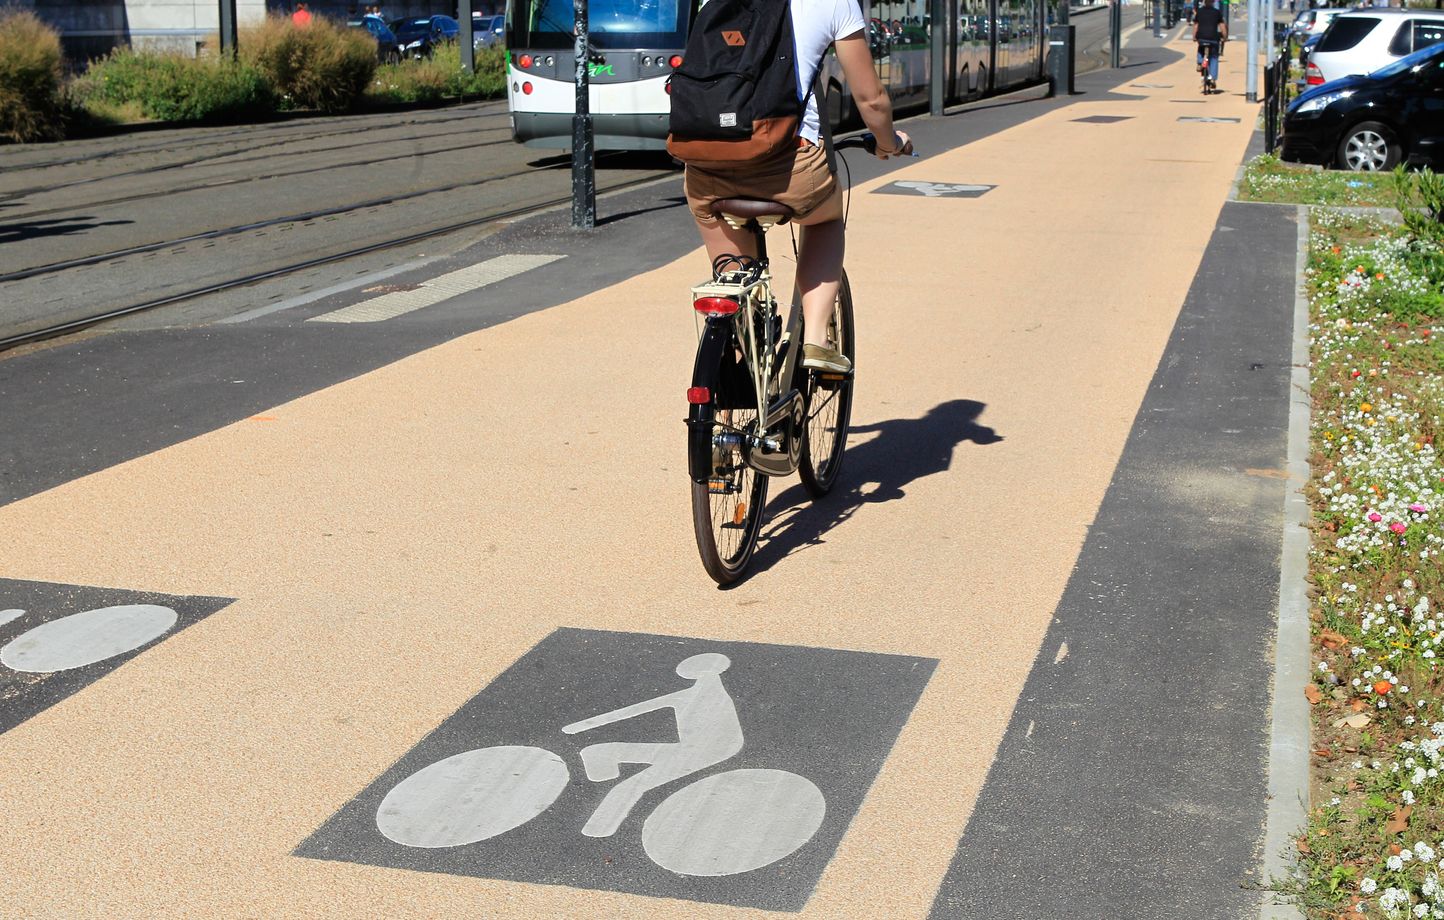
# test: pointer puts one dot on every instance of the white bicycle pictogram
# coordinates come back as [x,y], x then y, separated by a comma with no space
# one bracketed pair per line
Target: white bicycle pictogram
[730,822]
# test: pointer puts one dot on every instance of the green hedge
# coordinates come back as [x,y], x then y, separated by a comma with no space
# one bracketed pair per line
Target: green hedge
[169,87]
[441,77]
[320,66]
[31,107]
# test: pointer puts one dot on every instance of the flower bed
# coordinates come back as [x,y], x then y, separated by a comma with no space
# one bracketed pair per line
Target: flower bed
[1374,846]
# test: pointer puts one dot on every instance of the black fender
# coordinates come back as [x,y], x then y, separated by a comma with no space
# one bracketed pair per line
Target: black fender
[706,372]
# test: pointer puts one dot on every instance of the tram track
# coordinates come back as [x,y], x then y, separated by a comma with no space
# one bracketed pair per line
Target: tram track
[239,180]
[74,325]
[214,139]
[228,159]
[301,218]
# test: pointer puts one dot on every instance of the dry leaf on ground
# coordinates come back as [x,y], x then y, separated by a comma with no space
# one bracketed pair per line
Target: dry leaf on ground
[1400,822]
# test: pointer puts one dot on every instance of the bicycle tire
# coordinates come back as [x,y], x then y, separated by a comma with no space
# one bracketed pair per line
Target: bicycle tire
[728,501]
[828,405]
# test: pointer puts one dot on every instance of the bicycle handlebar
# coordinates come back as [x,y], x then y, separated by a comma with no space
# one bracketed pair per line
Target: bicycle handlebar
[866,141]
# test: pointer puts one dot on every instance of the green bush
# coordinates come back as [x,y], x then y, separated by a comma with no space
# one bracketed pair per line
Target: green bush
[170,87]
[30,101]
[441,76]
[320,66]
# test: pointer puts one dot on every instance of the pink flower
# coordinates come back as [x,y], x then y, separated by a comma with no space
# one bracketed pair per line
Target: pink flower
[1418,507]
[1375,516]
[1398,527]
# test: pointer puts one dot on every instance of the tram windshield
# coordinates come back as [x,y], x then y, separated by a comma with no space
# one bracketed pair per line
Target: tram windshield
[612,23]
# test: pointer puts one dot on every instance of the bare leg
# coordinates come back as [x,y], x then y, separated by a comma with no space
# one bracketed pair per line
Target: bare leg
[819,275]
[721,239]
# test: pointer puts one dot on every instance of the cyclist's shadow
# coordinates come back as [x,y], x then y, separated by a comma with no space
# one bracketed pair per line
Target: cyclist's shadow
[876,470]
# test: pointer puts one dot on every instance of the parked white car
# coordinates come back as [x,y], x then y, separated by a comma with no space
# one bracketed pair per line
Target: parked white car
[1361,42]
[1312,22]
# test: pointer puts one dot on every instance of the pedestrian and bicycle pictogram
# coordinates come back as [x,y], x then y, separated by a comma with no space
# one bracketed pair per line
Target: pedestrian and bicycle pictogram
[684,768]
[934,189]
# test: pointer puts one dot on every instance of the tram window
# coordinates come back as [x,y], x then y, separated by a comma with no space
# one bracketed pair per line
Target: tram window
[612,23]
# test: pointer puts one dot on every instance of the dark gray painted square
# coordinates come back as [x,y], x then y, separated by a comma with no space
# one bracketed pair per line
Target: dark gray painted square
[830,716]
[925,189]
[24,694]
[1102,119]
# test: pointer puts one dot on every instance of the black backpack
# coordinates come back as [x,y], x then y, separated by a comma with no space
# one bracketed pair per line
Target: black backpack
[734,99]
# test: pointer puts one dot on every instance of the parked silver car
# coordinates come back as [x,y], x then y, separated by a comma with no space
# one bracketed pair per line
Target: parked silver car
[487,30]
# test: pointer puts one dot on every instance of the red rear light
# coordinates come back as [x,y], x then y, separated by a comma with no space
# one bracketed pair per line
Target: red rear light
[699,396]
[675,60]
[715,306]
[524,61]
[669,89]
[1315,76]
[526,88]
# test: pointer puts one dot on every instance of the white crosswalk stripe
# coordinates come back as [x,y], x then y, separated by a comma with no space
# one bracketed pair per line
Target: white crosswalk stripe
[443,287]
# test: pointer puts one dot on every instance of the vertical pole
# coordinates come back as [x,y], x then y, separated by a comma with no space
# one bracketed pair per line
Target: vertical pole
[1115,33]
[228,27]
[938,43]
[584,179]
[1062,18]
[1273,52]
[1251,65]
[466,37]
[1157,18]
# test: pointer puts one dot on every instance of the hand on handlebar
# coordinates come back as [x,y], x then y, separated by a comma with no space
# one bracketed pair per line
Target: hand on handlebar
[903,146]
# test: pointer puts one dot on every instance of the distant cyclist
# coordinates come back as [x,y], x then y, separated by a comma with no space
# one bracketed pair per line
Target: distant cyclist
[1210,30]
[800,176]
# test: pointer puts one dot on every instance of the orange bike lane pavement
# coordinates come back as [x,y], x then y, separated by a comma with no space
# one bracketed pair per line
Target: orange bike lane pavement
[468,555]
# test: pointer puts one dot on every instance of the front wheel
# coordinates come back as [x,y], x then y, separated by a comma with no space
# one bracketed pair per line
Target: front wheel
[828,404]
[1369,146]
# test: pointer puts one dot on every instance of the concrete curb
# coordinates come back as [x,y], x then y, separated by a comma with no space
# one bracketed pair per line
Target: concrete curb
[1289,745]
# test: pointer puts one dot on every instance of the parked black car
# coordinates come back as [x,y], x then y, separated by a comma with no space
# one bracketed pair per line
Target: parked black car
[388,50]
[419,35]
[1373,122]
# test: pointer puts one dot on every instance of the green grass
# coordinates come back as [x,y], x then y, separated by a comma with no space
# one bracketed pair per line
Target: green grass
[1267,178]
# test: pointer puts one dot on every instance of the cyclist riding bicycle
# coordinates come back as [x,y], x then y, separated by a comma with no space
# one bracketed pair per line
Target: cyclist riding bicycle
[800,176]
[1210,30]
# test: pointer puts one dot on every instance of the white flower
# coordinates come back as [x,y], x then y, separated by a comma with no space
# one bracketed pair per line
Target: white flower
[1395,864]
[1323,665]
[1368,885]
[1408,797]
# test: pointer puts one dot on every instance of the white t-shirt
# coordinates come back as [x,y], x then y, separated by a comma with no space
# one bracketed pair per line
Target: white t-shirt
[816,24]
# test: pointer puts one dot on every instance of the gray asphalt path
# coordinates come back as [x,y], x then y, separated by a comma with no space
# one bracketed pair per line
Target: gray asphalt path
[98,225]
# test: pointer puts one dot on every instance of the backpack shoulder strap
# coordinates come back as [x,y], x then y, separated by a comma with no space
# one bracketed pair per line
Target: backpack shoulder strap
[824,124]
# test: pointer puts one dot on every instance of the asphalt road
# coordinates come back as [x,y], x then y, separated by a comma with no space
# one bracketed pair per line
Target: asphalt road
[98,225]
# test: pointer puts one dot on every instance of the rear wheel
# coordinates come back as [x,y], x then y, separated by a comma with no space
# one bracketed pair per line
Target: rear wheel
[829,404]
[727,505]
[1369,146]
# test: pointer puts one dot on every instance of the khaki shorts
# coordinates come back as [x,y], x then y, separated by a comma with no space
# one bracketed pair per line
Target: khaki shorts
[799,179]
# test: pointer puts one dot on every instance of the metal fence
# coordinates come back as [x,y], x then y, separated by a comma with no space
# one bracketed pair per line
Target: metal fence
[1277,93]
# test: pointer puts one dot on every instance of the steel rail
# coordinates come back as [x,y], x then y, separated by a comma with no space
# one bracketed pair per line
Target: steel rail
[69,326]
[52,268]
